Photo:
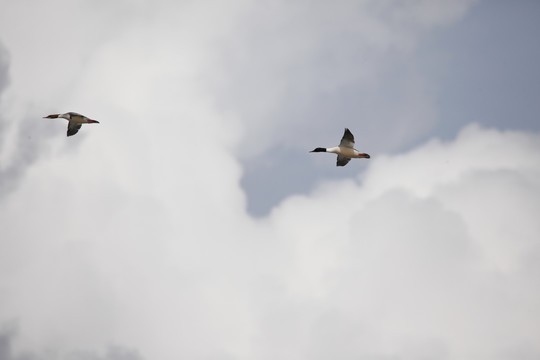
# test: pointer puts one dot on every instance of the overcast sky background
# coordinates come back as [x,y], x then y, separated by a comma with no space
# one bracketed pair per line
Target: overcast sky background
[193,223]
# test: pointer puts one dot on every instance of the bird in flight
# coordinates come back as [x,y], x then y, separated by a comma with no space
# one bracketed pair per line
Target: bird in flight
[345,151]
[74,119]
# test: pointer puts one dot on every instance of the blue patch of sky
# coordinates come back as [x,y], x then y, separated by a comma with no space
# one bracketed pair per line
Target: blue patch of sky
[485,68]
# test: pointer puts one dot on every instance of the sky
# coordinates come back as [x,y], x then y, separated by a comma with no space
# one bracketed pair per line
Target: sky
[192,221]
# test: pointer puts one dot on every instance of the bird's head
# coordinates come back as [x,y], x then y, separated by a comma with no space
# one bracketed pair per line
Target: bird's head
[318,150]
[53,116]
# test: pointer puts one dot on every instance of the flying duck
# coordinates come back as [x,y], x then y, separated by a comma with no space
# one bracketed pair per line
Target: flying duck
[345,151]
[74,119]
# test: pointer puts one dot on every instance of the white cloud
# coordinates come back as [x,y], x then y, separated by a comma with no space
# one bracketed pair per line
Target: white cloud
[431,254]
[433,257]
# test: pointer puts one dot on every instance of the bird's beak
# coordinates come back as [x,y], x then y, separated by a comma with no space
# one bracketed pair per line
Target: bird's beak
[93,121]
[365,156]
[53,116]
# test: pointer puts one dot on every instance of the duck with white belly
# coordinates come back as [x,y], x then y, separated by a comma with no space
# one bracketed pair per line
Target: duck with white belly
[345,151]
[74,119]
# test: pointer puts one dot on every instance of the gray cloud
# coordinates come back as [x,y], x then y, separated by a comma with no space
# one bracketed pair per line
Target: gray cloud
[4,68]
[4,82]
[112,353]
[29,140]
[9,334]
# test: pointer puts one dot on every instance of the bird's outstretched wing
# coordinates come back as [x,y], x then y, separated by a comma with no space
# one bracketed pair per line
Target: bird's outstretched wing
[73,128]
[347,140]
[342,160]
